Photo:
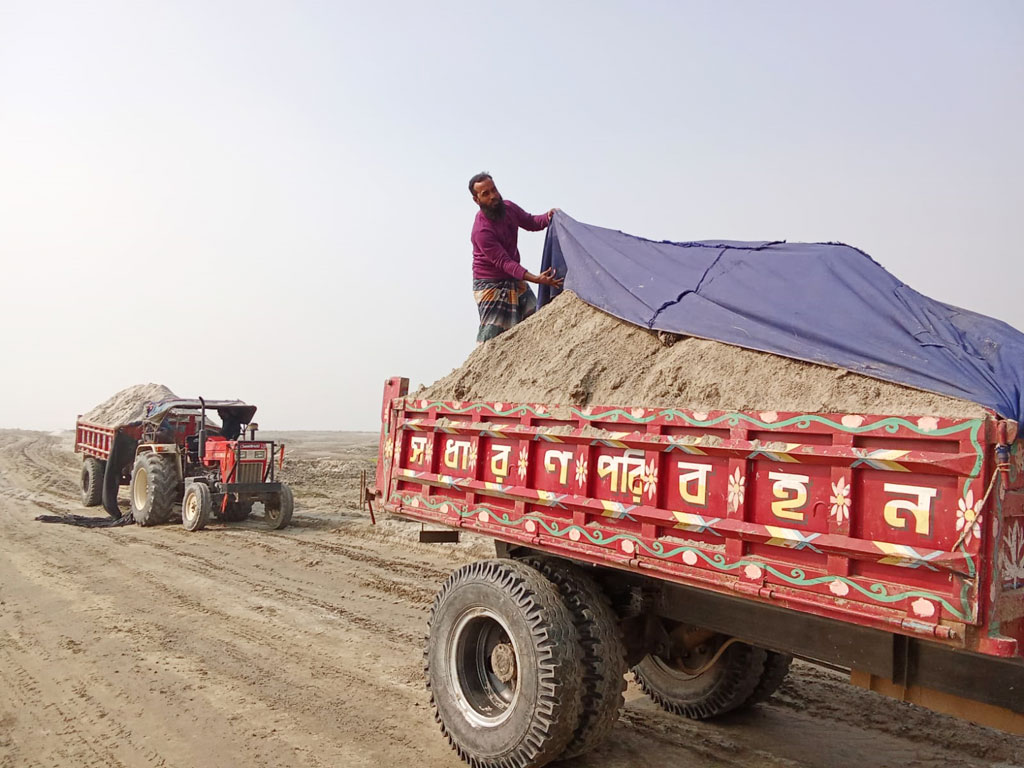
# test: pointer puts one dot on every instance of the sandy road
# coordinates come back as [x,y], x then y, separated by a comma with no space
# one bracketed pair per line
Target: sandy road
[238,646]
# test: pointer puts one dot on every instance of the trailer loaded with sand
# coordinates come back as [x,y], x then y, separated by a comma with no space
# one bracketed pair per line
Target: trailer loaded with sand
[190,457]
[700,486]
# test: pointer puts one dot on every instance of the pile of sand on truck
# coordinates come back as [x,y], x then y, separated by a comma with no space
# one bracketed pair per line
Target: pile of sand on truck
[570,353]
[127,406]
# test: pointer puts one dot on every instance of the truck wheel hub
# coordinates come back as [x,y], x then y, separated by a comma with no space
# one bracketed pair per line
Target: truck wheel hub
[503,662]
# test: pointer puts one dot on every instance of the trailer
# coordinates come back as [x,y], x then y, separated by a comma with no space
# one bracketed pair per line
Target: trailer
[704,550]
[175,455]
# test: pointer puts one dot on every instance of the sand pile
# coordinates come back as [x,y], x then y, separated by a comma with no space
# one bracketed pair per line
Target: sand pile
[127,405]
[571,353]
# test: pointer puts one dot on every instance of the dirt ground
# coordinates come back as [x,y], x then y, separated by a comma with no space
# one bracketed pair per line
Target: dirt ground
[303,647]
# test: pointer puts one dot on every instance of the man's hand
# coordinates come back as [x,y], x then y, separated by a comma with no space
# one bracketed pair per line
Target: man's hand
[548,277]
[551,214]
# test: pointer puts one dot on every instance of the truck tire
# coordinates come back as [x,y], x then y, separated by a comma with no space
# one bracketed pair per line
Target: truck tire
[196,507]
[278,509]
[153,488]
[503,666]
[602,648]
[726,686]
[92,481]
[235,511]
[776,667]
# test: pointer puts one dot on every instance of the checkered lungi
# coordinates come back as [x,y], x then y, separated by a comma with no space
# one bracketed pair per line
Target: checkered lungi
[502,304]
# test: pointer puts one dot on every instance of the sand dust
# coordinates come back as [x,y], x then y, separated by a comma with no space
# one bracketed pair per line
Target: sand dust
[573,354]
[127,405]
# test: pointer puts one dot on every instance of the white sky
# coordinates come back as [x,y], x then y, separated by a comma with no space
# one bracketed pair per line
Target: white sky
[267,200]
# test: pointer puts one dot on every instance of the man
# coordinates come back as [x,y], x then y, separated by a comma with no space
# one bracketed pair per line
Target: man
[499,281]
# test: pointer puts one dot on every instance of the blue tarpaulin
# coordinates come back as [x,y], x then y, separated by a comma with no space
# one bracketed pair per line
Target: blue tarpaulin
[821,302]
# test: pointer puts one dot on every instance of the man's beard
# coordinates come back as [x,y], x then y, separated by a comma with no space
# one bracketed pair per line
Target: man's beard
[495,212]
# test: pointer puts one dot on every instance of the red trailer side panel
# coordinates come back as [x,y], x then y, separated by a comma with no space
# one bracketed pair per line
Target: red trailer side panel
[893,522]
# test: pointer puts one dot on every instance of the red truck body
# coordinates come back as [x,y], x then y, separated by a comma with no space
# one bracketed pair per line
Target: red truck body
[96,440]
[909,524]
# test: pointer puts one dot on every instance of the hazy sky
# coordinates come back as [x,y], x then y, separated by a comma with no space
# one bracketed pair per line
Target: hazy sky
[267,200]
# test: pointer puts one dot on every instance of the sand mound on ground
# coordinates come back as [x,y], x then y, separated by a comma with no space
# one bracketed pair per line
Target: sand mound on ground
[127,405]
[570,353]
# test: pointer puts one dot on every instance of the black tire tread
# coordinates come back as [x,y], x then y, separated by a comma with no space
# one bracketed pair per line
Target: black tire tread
[558,704]
[602,646]
[93,470]
[283,504]
[236,511]
[205,505]
[163,481]
[776,667]
[744,668]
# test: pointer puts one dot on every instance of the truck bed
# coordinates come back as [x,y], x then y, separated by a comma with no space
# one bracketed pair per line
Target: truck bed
[894,522]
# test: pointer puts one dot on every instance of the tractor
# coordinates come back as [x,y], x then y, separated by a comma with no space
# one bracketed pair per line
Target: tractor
[184,456]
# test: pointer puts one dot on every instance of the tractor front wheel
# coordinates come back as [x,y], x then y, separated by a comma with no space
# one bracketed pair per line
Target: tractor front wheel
[196,507]
[278,510]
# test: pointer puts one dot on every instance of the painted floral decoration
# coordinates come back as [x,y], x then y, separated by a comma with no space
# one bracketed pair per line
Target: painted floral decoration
[581,472]
[1013,556]
[472,457]
[524,458]
[737,487]
[650,479]
[968,520]
[840,500]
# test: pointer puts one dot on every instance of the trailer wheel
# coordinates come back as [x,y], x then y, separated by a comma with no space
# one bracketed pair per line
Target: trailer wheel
[278,510]
[726,685]
[776,667]
[235,511]
[153,488]
[602,647]
[92,481]
[503,666]
[196,507]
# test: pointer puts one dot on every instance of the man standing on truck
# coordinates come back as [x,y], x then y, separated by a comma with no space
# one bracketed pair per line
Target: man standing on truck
[500,287]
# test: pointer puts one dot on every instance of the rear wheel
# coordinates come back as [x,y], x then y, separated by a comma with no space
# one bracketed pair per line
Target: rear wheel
[196,507]
[153,488]
[92,481]
[278,510]
[602,648]
[776,667]
[707,674]
[503,666]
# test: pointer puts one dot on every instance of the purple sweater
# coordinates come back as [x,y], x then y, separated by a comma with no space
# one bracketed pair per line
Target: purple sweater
[495,243]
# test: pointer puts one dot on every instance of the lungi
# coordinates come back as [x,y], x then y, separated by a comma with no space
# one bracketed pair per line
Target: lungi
[502,304]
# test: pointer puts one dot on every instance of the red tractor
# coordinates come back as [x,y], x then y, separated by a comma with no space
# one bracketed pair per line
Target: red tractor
[182,455]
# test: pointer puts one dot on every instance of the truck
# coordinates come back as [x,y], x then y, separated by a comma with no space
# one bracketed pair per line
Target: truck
[176,454]
[704,551]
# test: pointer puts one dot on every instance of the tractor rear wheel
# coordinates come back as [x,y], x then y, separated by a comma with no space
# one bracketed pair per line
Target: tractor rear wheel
[92,481]
[278,510]
[503,666]
[153,488]
[196,507]
[707,680]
